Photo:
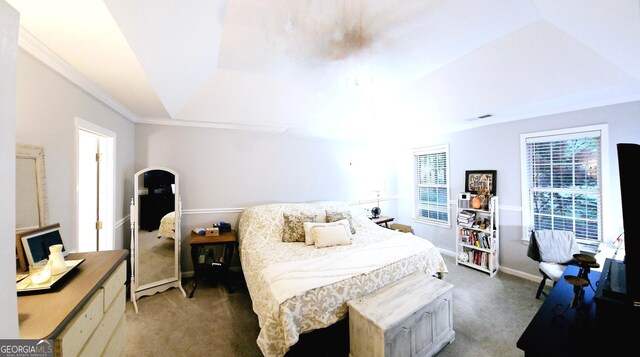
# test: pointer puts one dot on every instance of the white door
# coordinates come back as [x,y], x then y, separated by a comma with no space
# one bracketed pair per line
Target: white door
[95,195]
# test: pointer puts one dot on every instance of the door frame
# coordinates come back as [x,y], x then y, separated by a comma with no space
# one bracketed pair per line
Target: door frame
[109,227]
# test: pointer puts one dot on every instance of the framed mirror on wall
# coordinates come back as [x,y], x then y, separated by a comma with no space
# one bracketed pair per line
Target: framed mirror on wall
[31,188]
[155,233]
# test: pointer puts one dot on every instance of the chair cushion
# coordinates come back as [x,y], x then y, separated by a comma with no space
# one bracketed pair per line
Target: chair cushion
[556,246]
[553,270]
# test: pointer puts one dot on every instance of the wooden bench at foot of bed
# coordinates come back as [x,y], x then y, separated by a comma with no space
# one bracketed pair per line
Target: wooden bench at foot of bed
[411,317]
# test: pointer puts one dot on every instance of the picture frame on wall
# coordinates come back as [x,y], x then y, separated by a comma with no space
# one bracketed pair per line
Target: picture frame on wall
[475,180]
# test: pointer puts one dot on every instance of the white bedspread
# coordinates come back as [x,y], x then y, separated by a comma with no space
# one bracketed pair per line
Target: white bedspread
[276,271]
[289,279]
[167,226]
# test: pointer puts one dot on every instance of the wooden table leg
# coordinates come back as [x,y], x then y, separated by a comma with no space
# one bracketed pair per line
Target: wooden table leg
[196,268]
[227,264]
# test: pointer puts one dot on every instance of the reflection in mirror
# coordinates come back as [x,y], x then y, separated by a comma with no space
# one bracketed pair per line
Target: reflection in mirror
[31,188]
[155,225]
[156,240]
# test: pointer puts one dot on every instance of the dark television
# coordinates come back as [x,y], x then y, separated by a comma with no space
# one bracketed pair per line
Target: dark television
[158,179]
[628,161]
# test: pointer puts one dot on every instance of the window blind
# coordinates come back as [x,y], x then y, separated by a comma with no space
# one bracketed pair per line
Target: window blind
[432,185]
[564,183]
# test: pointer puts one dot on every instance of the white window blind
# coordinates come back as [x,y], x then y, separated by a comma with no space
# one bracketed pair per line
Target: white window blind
[432,185]
[563,184]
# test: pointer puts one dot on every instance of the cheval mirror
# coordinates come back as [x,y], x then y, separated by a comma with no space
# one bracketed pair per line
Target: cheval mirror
[155,233]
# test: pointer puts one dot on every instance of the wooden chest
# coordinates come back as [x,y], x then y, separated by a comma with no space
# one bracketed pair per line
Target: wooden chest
[411,317]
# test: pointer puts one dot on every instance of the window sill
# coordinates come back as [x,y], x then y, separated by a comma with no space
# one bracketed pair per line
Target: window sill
[432,223]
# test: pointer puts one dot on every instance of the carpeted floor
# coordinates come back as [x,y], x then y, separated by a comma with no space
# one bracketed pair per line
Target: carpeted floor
[489,316]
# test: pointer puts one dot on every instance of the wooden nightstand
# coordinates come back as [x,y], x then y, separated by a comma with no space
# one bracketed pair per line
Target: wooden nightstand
[380,220]
[229,240]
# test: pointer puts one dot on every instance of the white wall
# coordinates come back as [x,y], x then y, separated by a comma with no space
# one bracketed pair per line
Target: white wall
[8,51]
[497,147]
[222,170]
[48,105]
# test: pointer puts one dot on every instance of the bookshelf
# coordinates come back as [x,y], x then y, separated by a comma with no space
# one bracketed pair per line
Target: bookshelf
[477,237]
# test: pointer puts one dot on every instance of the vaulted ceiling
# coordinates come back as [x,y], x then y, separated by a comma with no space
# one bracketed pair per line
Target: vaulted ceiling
[344,68]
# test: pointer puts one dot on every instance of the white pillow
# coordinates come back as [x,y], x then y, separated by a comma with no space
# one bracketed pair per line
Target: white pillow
[329,236]
[308,237]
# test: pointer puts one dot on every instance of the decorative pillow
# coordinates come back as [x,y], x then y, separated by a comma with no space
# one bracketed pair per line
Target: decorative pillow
[331,235]
[308,236]
[334,216]
[293,226]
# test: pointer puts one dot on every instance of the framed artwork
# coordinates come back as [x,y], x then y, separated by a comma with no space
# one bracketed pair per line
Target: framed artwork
[477,180]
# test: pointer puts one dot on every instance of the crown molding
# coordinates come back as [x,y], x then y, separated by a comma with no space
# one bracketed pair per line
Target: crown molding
[37,49]
[214,125]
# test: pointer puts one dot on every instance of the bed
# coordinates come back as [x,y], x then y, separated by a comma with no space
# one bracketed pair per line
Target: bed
[296,287]
[167,226]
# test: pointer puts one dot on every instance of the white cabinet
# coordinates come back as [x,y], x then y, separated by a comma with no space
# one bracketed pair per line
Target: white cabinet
[100,321]
[85,314]
[411,317]
[478,238]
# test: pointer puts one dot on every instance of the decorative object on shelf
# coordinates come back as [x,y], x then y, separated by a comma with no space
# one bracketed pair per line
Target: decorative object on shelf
[58,265]
[477,180]
[463,257]
[476,202]
[464,200]
[483,196]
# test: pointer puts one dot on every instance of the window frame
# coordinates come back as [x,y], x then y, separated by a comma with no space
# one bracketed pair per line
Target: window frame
[436,149]
[603,173]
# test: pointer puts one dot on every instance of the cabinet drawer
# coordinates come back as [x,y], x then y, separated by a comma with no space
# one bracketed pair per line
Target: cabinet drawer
[115,347]
[74,336]
[112,286]
[107,326]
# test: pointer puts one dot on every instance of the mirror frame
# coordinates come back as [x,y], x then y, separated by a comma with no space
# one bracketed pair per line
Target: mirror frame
[27,151]
[175,281]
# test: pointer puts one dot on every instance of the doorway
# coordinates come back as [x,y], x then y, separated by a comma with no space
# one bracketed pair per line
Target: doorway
[95,192]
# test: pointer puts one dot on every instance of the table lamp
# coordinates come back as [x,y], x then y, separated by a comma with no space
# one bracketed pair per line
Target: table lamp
[378,186]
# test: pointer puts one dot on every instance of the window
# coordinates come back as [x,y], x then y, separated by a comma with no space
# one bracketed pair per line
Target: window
[432,185]
[562,182]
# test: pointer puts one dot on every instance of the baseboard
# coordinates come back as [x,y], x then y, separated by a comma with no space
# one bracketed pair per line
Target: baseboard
[527,276]
[520,274]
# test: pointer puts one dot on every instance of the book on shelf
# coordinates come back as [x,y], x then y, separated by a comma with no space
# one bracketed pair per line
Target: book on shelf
[466,215]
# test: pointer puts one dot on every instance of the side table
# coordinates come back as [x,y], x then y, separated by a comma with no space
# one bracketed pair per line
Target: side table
[380,220]
[229,240]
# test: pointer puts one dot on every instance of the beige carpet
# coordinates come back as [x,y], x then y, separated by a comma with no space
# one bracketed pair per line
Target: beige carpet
[489,316]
